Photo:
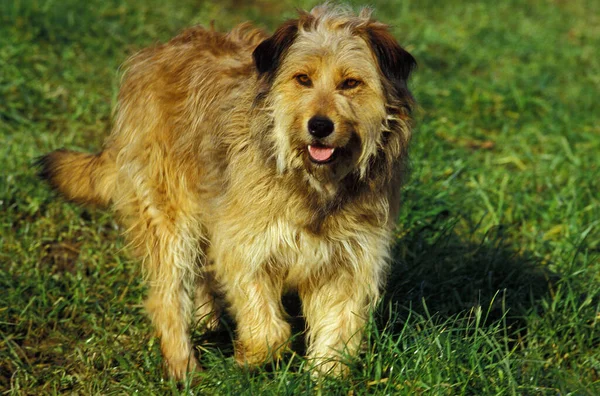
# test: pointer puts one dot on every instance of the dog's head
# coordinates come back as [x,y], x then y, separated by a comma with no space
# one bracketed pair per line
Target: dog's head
[336,87]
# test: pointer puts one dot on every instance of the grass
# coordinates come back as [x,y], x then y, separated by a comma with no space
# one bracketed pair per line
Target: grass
[495,285]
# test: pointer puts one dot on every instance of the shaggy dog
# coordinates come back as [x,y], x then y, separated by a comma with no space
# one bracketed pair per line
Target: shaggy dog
[249,165]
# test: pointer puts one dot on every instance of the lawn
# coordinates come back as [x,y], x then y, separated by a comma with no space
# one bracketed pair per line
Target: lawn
[495,287]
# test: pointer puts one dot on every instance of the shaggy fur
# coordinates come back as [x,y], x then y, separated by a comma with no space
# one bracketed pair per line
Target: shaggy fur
[251,165]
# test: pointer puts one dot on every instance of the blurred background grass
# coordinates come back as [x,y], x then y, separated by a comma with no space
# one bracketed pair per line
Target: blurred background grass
[495,282]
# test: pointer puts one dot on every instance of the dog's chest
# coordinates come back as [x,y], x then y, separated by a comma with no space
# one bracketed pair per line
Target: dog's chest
[296,250]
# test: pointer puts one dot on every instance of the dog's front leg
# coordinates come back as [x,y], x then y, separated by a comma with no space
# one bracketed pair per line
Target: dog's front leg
[255,302]
[336,310]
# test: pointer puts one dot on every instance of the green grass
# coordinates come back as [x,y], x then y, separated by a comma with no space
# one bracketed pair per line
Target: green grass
[495,286]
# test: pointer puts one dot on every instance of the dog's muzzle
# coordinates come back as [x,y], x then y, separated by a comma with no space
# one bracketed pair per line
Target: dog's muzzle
[320,127]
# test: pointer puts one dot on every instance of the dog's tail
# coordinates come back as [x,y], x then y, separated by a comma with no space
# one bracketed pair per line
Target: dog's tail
[79,177]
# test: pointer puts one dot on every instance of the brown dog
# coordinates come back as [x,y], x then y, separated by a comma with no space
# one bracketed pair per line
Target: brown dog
[251,165]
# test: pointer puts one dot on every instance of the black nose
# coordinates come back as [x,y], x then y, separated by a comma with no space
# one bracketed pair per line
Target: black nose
[320,127]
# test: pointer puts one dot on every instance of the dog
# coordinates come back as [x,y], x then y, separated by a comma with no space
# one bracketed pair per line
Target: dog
[246,165]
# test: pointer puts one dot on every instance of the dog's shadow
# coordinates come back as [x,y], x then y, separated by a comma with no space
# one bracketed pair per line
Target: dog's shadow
[439,271]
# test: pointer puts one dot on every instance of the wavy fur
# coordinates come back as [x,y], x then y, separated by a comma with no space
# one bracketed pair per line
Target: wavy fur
[208,170]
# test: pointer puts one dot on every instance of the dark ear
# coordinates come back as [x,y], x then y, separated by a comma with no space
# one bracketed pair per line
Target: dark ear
[269,53]
[395,62]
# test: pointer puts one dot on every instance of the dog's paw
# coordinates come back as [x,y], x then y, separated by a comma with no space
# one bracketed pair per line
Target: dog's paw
[251,356]
[180,369]
[328,368]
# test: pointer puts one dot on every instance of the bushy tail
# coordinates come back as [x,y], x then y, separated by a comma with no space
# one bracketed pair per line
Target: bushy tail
[79,177]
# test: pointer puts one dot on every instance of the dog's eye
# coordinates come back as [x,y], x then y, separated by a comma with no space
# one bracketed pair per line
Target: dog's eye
[304,80]
[350,83]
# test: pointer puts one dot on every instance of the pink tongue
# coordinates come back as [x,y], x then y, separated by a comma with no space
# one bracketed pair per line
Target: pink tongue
[320,153]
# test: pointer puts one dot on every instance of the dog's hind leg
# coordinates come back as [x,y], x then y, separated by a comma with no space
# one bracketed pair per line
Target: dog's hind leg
[207,310]
[169,253]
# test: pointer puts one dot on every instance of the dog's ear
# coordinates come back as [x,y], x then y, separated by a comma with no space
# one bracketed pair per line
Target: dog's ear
[267,56]
[395,62]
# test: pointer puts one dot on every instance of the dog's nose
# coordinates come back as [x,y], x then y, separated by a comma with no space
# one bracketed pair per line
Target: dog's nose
[320,126]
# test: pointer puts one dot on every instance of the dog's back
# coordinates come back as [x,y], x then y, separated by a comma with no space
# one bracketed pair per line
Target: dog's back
[171,96]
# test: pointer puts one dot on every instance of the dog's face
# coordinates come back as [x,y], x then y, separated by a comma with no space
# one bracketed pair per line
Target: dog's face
[334,83]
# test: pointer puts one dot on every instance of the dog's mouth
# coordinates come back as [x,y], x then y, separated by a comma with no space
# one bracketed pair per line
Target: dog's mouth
[321,154]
